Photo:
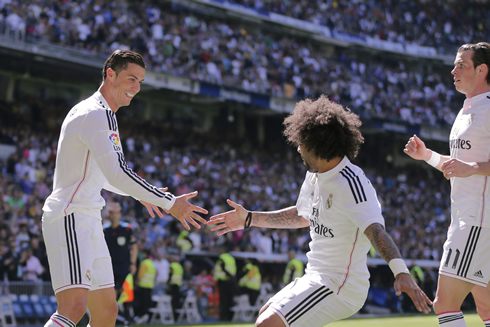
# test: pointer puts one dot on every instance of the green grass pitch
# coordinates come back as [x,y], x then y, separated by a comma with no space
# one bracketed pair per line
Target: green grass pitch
[472,320]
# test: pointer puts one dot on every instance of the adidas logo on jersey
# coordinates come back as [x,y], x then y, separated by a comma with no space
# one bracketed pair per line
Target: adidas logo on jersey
[478,274]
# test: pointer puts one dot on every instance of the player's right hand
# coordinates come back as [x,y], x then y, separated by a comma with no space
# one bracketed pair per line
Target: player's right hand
[405,283]
[416,149]
[186,212]
[229,221]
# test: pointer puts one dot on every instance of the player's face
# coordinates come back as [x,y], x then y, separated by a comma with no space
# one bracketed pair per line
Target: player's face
[309,160]
[465,74]
[126,84]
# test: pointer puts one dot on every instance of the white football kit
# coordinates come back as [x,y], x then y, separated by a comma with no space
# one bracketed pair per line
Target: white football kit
[468,244]
[339,205]
[89,158]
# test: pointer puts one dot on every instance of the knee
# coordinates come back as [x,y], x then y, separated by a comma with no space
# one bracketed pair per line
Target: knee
[442,305]
[112,310]
[73,310]
[483,310]
[438,306]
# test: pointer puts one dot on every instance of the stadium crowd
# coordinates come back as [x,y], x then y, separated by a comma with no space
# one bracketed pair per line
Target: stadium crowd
[438,24]
[223,52]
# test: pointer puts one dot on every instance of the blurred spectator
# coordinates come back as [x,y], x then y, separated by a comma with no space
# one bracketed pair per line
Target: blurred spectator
[250,280]
[175,282]
[225,276]
[205,292]
[145,284]
[162,267]
[31,266]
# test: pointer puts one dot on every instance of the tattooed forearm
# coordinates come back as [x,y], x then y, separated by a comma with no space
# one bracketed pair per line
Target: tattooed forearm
[382,242]
[285,218]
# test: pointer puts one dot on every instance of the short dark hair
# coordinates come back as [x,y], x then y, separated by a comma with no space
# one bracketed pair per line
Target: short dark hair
[481,54]
[326,128]
[120,59]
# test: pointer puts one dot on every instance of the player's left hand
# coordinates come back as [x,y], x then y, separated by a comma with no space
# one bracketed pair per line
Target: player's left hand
[153,208]
[405,283]
[458,168]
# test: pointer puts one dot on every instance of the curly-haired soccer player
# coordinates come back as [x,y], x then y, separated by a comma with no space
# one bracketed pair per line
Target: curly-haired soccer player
[340,206]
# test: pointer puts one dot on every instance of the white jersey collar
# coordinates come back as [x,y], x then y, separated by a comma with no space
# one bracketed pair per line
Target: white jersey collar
[334,171]
[468,103]
[101,100]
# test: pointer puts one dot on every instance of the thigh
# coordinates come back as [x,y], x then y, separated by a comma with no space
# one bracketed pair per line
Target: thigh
[268,317]
[306,302]
[70,254]
[102,303]
[451,293]
[466,254]
[102,275]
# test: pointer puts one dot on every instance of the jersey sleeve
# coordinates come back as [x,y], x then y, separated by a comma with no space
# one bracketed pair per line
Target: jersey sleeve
[361,203]
[304,198]
[104,144]
[110,188]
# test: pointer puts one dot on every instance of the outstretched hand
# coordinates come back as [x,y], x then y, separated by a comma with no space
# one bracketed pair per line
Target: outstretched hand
[153,208]
[186,212]
[229,221]
[405,283]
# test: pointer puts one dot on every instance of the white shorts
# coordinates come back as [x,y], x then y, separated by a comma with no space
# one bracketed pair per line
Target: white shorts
[467,254]
[77,252]
[309,303]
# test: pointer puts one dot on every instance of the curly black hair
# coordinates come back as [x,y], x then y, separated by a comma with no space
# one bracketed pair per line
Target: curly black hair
[326,128]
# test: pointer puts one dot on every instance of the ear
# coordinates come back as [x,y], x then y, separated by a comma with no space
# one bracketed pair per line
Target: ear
[111,73]
[483,69]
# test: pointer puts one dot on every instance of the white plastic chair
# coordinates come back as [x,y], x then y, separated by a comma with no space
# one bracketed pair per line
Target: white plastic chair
[162,310]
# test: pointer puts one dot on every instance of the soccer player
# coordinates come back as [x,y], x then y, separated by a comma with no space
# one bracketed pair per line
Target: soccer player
[465,263]
[90,157]
[340,206]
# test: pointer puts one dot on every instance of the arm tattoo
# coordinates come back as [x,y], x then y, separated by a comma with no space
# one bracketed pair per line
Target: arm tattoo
[286,218]
[382,242]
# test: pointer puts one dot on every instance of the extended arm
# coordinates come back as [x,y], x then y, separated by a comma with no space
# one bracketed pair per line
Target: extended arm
[386,247]
[235,219]
[416,149]
[110,159]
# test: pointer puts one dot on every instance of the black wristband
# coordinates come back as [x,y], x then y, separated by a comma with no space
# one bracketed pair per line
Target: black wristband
[248,220]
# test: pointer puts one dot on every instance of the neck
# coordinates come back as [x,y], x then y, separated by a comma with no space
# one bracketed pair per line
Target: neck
[104,90]
[326,165]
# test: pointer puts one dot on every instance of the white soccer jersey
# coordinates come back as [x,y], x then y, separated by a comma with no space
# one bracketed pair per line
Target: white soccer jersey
[340,204]
[470,142]
[90,158]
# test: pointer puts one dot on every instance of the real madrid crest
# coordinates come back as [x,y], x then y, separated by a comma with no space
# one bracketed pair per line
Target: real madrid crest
[328,203]
[470,119]
[88,275]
